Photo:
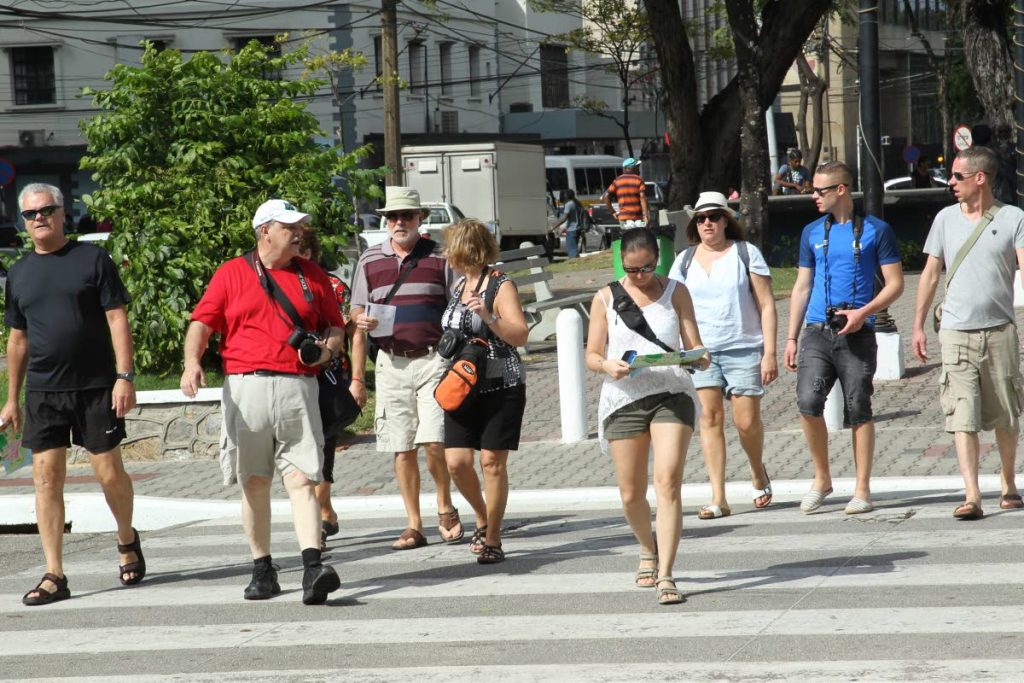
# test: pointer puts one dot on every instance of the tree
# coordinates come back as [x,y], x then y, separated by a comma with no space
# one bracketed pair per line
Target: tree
[616,30]
[184,152]
[705,144]
[984,27]
[940,67]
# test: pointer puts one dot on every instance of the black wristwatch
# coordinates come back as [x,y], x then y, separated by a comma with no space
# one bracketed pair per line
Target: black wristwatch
[127,376]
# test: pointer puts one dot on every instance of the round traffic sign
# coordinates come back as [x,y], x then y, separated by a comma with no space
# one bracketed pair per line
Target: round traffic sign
[962,138]
[6,173]
[911,153]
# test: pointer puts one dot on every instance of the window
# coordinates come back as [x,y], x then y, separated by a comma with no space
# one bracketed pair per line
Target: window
[34,78]
[474,69]
[417,67]
[274,50]
[445,53]
[557,179]
[554,76]
[378,60]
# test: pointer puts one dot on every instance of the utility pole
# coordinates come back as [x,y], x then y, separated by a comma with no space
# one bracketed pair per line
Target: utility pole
[871,134]
[392,119]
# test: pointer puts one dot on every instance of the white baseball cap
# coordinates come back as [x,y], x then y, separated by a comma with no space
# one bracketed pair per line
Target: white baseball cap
[277,210]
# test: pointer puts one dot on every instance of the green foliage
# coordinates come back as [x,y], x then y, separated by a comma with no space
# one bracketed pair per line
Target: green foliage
[184,152]
[912,254]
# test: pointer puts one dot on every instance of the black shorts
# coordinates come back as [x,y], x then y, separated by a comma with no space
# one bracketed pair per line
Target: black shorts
[57,419]
[492,420]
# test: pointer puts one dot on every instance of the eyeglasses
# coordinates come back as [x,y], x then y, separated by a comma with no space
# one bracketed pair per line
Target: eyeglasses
[633,270]
[713,217]
[45,212]
[960,177]
[404,215]
[822,191]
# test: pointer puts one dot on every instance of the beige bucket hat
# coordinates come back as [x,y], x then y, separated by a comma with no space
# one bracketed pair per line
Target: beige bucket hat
[402,199]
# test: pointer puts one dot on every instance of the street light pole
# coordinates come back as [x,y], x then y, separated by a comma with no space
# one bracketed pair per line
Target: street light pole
[392,119]
[871,134]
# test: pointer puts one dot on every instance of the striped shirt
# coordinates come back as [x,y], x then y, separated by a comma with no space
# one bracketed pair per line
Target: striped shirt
[420,300]
[627,189]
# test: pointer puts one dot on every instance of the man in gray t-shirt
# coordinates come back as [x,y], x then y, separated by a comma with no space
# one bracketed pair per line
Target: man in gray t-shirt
[980,382]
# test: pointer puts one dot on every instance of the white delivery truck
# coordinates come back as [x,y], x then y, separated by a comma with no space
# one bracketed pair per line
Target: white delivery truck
[501,183]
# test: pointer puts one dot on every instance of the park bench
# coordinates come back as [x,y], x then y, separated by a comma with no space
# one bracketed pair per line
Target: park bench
[528,266]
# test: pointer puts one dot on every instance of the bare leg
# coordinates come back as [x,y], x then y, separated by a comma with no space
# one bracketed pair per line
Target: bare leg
[712,441]
[630,458]
[670,443]
[816,434]
[863,436]
[120,494]
[746,415]
[461,467]
[256,515]
[323,498]
[49,469]
[967,454]
[407,472]
[1007,442]
[495,467]
[305,509]
[438,469]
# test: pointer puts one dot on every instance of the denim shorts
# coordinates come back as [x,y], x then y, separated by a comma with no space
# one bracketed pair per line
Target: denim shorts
[825,357]
[736,371]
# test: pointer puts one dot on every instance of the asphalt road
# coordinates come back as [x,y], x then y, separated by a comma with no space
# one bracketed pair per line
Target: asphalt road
[903,593]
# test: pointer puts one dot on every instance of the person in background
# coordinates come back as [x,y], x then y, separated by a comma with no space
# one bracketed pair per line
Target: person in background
[921,177]
[793,177]
[735,309]
[649,407]
[631,194]
[574,219]
[309,249]
[485,304]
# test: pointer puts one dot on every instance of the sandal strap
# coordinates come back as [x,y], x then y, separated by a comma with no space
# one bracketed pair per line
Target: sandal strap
[132,547]
[449,519]
[60,582]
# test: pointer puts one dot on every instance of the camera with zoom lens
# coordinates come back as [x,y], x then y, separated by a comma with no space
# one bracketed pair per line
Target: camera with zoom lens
[832,317]
[305,342]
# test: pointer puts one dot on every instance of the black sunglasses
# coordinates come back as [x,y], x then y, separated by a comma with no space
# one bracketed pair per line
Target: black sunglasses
[822,191]
[640,269]
[45,212]
[713,217]
[404,215]
[960,177]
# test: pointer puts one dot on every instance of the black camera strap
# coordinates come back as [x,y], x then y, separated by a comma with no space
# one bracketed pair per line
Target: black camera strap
[858,231]
[631,314]
[275,293]
[407,267]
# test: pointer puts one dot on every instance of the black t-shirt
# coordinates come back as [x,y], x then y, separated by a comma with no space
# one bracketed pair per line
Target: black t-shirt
[61,300]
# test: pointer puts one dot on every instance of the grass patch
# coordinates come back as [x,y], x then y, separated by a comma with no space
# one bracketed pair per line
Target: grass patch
[602,261]
[783,280]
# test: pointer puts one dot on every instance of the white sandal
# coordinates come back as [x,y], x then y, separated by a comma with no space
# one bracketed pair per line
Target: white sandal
[713,512]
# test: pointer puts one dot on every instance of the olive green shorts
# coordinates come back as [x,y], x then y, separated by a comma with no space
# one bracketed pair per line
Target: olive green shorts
[635,418]
[980,379]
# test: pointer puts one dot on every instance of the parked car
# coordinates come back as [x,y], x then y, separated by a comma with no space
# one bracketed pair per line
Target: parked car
[442,214]
[907,183]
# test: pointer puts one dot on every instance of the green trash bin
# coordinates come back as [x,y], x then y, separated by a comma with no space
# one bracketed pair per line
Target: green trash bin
[666,254]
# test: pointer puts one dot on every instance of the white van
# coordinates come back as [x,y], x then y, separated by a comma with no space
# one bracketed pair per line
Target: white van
[588,175]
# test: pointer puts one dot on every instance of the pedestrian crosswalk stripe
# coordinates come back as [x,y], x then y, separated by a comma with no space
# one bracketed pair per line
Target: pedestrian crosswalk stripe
[854,575]
[676,623]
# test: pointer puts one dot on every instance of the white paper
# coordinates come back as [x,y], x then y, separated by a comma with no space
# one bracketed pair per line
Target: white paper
[385,315]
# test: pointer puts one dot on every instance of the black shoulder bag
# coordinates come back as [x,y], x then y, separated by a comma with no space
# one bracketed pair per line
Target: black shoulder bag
[372,348]
[338,409]
[631,314]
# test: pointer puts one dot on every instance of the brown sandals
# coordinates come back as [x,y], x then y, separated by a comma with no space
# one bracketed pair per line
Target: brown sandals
[446,521]
[45,597]
[410,539]
[138,567]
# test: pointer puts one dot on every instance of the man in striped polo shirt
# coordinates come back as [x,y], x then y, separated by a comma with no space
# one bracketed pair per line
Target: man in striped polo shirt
[408,367]
[628,190]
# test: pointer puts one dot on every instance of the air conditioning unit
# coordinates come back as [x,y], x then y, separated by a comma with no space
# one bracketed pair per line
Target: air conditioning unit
[31,138]
[449,122]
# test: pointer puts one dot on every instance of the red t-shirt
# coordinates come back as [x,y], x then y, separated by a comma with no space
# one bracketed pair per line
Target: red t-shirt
[254,329]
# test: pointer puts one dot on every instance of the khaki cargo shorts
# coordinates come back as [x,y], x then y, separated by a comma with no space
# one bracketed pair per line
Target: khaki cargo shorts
[271,423]
[980,379]
[407,414]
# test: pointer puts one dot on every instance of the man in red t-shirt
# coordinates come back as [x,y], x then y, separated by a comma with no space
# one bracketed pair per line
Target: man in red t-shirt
[629,191]
[271,416]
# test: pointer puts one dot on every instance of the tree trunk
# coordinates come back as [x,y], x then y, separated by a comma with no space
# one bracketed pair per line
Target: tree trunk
[753,132]
[813,88]
[988,56]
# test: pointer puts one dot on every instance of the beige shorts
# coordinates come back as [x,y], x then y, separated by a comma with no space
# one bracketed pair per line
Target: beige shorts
[407,413]
[980,379]
[271,423]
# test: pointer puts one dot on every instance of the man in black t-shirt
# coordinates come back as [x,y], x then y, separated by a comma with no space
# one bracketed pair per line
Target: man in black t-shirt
[71,346]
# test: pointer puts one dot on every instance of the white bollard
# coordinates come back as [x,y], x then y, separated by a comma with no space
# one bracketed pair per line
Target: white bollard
[890,356]
[834,404]
[572,389]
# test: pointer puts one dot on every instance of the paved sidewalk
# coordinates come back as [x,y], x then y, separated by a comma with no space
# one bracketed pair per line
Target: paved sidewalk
[910,440]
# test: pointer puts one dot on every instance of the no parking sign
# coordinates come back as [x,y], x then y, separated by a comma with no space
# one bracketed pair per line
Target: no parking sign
[6,172]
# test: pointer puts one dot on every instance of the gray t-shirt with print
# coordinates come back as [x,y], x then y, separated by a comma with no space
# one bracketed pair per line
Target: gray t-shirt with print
[981,292]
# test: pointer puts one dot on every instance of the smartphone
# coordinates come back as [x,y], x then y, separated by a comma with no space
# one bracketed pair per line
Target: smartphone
[629,357]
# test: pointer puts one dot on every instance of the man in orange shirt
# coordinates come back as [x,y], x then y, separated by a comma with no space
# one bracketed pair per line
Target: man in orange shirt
[629,191]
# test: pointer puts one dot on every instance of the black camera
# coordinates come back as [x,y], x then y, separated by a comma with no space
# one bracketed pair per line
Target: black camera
[305,342]
[833,319]
[450,343]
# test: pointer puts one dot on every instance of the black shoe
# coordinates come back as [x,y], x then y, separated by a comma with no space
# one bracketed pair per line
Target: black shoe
[264,583]
[317,581]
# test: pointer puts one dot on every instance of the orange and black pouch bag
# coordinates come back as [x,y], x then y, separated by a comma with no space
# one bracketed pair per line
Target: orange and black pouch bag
[463,376]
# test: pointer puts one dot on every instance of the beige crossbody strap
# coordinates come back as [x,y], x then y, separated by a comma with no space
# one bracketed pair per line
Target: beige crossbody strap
[962,254]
